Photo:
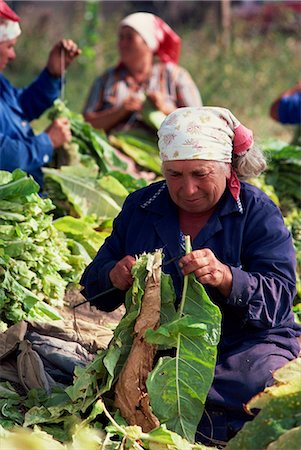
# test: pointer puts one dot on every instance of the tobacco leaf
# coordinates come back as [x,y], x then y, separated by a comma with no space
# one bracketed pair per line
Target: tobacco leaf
[178,386]
[279,413]
[130,391]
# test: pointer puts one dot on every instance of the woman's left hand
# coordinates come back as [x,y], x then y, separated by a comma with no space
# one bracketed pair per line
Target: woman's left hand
[61,56]
[207,269]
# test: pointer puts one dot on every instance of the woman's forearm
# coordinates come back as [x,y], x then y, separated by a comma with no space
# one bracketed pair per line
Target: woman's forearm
[107,119]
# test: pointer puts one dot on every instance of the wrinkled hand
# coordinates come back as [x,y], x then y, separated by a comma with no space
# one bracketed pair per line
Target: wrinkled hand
[58,63]
[133,103]
[207,269]
[159,100]
[59,132]
[120,275]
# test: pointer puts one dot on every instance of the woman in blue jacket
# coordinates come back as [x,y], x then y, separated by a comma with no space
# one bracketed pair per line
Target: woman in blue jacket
[242,253]
[19,146]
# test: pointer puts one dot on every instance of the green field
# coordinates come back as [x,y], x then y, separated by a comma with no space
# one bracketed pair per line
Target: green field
[260,62]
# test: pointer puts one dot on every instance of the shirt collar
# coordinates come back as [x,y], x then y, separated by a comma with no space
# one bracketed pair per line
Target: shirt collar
[160,202]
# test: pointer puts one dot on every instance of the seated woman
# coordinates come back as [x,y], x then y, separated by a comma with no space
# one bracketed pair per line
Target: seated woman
[242,253]
[149,52]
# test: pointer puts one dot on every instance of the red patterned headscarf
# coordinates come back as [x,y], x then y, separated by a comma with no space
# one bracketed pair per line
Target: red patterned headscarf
[159,37]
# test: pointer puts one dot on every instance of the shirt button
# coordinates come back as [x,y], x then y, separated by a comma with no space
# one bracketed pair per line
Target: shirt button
[45,159]
[239,300]
[24,123]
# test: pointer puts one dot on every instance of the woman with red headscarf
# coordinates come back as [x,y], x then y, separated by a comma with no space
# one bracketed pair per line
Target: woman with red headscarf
[19,146]
[149,52]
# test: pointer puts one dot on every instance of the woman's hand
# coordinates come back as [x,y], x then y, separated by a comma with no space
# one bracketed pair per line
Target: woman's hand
[159,100]
[133,103]
[208,270]
[61,56]
[121,274]
[59,132]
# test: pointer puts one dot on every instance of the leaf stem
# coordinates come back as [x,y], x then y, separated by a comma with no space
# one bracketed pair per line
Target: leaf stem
[187,250]
[121,429]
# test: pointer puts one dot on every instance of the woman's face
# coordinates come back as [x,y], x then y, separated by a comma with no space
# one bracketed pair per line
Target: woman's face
[195,185]
[7,53]
[131,45]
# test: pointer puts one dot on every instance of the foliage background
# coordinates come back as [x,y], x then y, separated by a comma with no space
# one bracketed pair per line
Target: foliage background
[262,60]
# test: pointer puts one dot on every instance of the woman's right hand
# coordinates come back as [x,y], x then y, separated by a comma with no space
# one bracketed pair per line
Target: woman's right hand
[121,274]
[133,103]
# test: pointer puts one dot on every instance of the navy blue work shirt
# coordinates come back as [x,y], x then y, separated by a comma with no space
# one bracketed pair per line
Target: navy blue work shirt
[19,146]
[259,333]
[289,111]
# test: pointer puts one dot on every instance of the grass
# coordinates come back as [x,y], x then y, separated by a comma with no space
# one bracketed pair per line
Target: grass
[246,77]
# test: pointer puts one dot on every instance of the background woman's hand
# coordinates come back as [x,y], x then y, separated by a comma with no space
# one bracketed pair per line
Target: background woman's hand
[208,270]
[159,100]
[59,132]
[133,103]
[70,52]
[121,274]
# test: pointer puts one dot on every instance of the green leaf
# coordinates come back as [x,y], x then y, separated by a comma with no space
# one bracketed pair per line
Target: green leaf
[18,186]
[129,182]
[109,152]
[288,374]
[35,439]
[113,187]
[97,409]
[287,381]
[178,386]
[279,407]
[85,197]
[81,230]
[41,311]
[167,437]
[9,410]
[7,391]
[140,156]
[290,440]
[151,115]
[139,141]
[5,177]
[279,415]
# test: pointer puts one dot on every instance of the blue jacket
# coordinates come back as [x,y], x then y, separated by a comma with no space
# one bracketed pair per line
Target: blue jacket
[258,329]
[290,109]
[19,146]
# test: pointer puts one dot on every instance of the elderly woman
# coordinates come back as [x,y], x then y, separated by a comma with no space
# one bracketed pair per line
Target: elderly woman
[149,52]
[242,253]
[20,147]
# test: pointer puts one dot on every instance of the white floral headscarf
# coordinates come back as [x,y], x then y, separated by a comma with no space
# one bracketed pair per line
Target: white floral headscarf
[9,23]
[9,30]
[208,133]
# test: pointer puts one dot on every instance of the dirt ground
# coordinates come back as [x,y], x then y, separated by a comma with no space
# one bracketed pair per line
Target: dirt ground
[93,327]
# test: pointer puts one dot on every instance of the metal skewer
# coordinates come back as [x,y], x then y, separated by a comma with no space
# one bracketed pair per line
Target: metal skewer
[114,289]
